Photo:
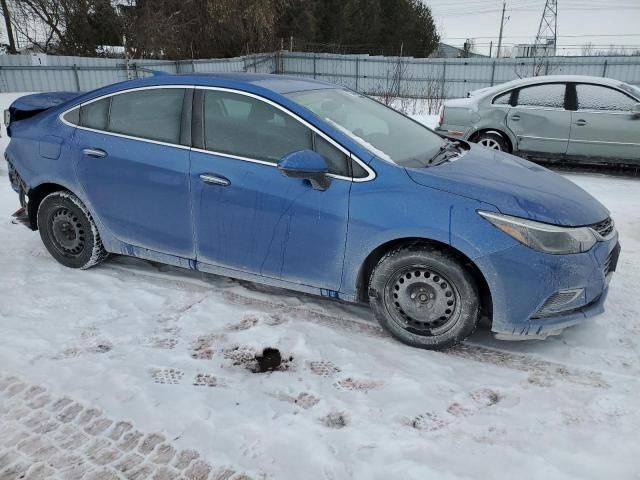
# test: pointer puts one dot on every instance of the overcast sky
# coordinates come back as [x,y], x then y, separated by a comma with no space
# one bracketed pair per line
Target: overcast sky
[601,22]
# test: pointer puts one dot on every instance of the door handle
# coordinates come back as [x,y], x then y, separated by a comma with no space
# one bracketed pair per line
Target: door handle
[213,179]
[581,122]
[515,117]
[94,152]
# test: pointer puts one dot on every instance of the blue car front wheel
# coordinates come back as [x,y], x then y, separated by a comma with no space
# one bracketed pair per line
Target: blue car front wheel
[424,297]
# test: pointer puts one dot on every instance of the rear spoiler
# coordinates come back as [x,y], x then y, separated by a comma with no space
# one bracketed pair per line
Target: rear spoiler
[30,105]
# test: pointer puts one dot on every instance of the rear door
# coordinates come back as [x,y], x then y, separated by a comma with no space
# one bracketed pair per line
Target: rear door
[132,161]
[603,126]
[540,120]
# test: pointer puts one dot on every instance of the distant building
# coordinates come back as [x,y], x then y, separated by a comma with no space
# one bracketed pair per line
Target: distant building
[449,51]
[530,50]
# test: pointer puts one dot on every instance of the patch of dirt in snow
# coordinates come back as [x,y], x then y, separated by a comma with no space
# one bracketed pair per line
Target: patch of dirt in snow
[268,360]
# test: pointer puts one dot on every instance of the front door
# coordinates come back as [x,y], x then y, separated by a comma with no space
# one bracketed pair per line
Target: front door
[248,216]
[540,120]
[603,126]
[133,169]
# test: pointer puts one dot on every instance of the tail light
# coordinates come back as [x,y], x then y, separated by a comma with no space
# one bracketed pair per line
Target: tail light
[7,117]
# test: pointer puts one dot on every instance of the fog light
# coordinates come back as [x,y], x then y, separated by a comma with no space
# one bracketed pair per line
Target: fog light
[557,302]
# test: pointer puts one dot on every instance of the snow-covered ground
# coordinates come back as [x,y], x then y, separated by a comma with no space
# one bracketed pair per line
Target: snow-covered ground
[166,351]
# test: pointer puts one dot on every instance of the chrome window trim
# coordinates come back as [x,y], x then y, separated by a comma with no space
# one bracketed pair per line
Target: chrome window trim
[371,174]
[122,135]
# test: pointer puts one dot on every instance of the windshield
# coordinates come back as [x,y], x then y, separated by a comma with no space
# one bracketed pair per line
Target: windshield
[381,130]
[633,90]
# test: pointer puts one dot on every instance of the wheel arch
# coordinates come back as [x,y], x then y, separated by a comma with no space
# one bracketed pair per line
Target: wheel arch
[364,274]
[36,195]
[510,142]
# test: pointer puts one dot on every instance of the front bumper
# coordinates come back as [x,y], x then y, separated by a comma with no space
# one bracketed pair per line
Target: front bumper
[521,280]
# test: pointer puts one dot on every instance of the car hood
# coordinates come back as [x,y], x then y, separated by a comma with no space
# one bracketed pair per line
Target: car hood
[514,186]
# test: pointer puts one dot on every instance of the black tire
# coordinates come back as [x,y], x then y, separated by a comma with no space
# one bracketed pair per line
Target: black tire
[69,232]
[424,297]
[493,141]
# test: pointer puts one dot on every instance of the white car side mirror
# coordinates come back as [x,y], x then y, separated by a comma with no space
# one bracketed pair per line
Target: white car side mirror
[635,110]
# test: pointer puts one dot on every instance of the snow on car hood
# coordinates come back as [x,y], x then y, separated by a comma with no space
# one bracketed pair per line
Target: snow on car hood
[514,186]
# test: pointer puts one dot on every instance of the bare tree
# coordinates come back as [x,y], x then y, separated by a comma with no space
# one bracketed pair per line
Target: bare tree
[588,50]
[6,13]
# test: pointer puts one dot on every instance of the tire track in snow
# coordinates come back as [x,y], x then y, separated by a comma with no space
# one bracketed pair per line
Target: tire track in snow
[541,372]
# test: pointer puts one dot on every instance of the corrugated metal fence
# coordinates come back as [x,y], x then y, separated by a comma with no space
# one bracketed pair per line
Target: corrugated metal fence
[400,76]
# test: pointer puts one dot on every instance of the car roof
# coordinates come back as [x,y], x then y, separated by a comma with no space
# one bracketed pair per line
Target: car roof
[547,79]
[277,83]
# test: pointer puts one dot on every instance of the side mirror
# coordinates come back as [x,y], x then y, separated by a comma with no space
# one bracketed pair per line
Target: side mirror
[635,110]
[308,165]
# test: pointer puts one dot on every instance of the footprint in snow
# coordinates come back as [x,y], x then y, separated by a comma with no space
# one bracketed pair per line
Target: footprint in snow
[323,368]
[168,376]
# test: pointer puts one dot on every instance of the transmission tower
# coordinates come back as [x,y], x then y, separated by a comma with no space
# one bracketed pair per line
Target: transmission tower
[546,40]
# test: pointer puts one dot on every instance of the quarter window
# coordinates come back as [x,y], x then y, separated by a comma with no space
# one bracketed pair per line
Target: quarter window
[95,114]
[154,114]
[336,160]
[548,96]
[248,127]
[503,99]
[73,116]
[594,97]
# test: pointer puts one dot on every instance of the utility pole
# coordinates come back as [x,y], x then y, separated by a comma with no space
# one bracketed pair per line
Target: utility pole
[504,7]
[7,21]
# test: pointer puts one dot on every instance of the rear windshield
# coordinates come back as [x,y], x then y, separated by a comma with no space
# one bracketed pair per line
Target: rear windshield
[384,132]
[632,89]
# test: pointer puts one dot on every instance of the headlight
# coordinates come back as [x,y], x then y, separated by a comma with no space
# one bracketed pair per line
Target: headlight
[542,236]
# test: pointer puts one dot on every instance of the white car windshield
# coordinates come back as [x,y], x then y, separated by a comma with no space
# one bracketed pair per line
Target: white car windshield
[384,132]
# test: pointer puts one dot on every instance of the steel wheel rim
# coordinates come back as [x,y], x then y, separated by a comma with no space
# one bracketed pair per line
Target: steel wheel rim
[67,232]
[490,143]
[422,301]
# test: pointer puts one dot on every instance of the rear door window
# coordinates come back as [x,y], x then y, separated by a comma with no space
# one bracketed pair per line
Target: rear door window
[154,114]
[595,97]
[551,95]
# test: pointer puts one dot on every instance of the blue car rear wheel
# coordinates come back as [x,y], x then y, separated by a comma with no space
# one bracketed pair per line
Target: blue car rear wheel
[424,297]
[69,232]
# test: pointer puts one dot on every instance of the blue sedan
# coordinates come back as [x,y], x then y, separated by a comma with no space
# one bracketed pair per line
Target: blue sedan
[309,186]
